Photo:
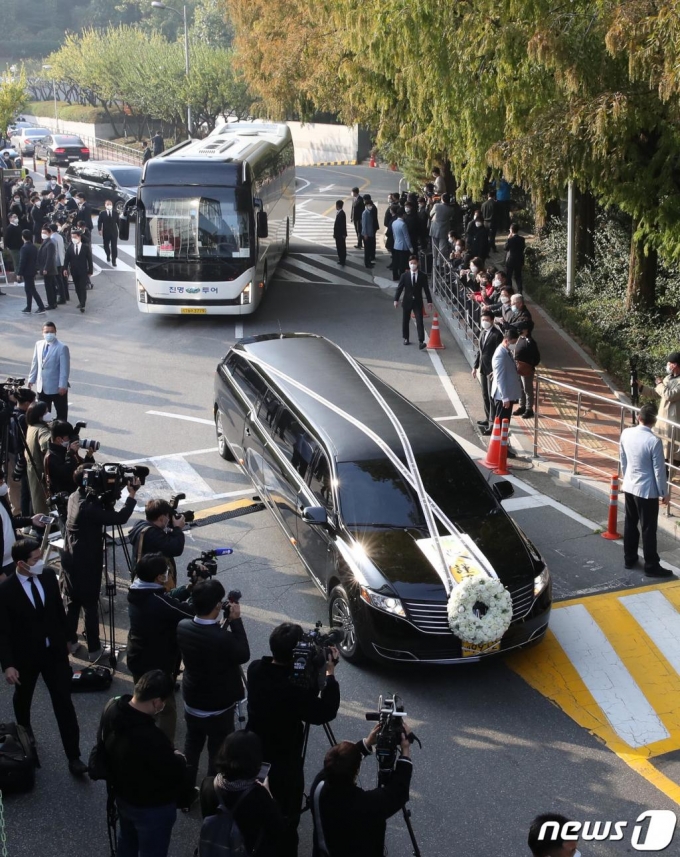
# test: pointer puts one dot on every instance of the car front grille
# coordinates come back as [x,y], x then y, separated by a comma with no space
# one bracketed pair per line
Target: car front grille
[431,617]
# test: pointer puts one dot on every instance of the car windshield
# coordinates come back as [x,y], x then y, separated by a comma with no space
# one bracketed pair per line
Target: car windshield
[372,493]
[127,176]
[182,223]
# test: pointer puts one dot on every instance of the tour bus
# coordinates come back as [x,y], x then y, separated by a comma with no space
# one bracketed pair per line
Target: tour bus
[214,218]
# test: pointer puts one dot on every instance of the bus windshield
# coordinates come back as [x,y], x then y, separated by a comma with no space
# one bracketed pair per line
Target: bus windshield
[185,223]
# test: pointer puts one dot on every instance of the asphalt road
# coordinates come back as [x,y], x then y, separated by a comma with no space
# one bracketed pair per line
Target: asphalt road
[496,751]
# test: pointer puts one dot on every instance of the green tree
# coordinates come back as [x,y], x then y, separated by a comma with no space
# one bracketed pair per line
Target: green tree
[13,97]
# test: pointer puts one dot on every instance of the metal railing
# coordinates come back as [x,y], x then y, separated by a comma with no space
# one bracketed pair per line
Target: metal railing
[461,311]
[105,150]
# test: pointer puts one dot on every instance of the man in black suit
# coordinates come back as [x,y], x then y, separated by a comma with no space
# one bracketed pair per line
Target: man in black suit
[28,268]
[107,226]
[340,232]
[357,211]
[490,337]
[78,260]
[84,211]
[33,644]
[413,283]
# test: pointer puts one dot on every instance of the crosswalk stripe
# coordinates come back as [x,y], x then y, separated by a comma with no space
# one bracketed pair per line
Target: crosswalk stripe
[181,476]
[606,677]
[99,252]
[320,274]
[660,621]
[316,228]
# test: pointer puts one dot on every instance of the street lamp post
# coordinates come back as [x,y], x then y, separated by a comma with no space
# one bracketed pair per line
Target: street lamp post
[159,5]
[54,95]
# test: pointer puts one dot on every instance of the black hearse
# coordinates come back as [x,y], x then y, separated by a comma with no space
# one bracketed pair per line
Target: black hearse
[351,516]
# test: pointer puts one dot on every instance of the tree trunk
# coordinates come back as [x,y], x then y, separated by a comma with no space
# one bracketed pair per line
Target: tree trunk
[109,117]
[585,228]
[641,290]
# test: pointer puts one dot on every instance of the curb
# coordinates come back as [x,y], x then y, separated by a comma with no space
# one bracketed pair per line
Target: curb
[330,164]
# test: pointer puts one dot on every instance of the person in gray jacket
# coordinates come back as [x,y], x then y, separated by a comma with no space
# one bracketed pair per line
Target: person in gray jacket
[507,385]
[440,223]
[368,229]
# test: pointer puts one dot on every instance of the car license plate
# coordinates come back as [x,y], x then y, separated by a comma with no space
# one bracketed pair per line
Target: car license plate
[473,650]
[190,310]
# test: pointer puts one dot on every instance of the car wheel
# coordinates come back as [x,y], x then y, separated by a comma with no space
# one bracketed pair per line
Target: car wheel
[120,207]
[222,445]
[340,616]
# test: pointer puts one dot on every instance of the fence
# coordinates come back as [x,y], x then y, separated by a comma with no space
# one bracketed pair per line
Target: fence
[105,150]
[574,426]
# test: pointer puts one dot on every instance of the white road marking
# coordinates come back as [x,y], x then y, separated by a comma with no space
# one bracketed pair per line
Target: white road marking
[446,419]
[99,252]
[181,417]
[171,455]
[449,389]
[238,331]
[306,185]
[604,674]
[181,476]
[327,276]
[659,620]
[328,187]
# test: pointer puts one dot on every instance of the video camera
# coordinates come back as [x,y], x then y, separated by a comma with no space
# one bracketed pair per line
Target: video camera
[105,482]
[310,656]
[189,516]
[86,443]
[390,715]
[8,388]
[205,566]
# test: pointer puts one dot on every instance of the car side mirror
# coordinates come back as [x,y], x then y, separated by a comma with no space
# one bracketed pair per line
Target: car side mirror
[315,515]
[262,225]
[503,489]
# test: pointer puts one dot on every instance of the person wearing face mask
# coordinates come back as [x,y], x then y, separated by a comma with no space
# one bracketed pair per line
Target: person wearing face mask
[357,210]
[161,532]
[107,226]
[14,242]
[50,368]
[154,617]
[33,644]
[527,357]
[62,459]
[369,228]
[84,211]
[440,223]
[514,256]
[490,338]
[58,241]
[47,266]
[667,389]
[53,185]
[9,523]
[412,223]
[551,843]
[478,241]
[413,283]
[517,313]
[18,208]
[144,771]
[78,261]
[506,386]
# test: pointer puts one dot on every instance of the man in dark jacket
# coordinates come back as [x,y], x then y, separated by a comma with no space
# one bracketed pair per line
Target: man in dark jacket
[83,556]
[161,532]
[158,143]
[33,644]
[349,821]
[78,260]
[47,266]
[13,241]
[413,283]
[144,771]
[514,256]
[517,313]
[107,226]
[340,232]
[477,238]
[490,338]
[489,214]
[357,211]
[28,268]
[154,617]
[212,683]
[62,459]
[84,211]
[278,712]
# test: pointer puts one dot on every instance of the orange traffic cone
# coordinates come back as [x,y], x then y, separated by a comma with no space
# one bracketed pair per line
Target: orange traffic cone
[435,340]
[493,453]
[502,469]
[371,163]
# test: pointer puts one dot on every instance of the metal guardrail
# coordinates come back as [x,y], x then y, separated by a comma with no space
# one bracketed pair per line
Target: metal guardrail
[576,426]
[106,150]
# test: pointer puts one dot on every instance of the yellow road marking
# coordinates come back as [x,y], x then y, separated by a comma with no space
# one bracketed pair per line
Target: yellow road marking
[548,669]
[224,507]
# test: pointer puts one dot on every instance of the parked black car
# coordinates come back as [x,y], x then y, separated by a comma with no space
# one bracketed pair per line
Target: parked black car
[61,149]
[102,180]
[354,520]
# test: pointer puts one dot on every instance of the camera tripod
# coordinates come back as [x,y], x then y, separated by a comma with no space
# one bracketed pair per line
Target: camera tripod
[109,534]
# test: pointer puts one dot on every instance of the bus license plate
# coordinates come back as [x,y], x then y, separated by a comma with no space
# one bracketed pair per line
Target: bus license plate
[190,310]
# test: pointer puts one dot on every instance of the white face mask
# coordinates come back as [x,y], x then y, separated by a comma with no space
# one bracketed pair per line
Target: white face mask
[109,208]
[505,300]
[486,325]
[413,267]
[75,240]
[44,235]
[49,337]
[669,368]
[497,281]
[4,488]
[511,348]
[37,569]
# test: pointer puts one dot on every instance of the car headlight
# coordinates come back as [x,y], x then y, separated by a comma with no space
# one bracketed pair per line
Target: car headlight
[541,581]
[246,294]
[142,293]
[386,603]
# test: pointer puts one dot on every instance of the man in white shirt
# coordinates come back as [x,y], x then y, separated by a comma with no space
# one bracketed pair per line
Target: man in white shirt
[644,486]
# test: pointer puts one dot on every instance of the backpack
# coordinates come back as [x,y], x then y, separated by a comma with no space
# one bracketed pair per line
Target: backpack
[220,835]
[18,759]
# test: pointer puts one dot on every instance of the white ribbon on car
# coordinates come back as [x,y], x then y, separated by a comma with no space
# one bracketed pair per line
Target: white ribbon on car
[411,474]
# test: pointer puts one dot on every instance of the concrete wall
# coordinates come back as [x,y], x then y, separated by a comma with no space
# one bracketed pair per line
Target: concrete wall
[323,144]
[102,131]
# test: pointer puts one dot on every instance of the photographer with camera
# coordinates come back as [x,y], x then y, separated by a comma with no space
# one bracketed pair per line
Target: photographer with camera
[161,532]
[62,459]
[143,770]
[154,617]
[19,491]
[278,711]
[348,820]
[83,555]
[213,652]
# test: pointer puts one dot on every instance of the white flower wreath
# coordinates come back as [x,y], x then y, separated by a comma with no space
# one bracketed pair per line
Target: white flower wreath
[469,625]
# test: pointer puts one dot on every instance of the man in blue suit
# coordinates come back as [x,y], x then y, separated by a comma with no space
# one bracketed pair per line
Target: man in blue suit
[50,369]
